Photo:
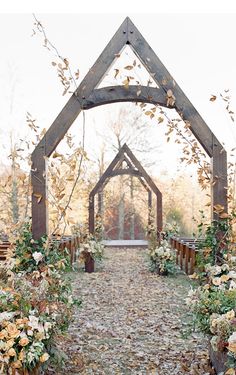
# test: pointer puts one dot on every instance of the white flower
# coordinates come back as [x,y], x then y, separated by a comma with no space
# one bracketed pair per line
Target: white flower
[6,316]
[37,256]
[47,326]
[232,338]
[33,322]
[233,259]
[225,267]
[215,270]
[232,285]
[232,275]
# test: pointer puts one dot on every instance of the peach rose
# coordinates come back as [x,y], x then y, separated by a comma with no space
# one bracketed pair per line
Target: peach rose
[16,364]
[20,321]
[12,330]
[21,355]
[9,344]
[24,341]
[44,357]
[11,352]
[3,334]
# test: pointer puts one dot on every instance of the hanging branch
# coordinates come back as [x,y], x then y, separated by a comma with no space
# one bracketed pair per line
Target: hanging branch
[63,67]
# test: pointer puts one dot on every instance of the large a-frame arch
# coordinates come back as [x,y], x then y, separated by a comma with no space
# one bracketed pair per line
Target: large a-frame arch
[134,169]
[87,96]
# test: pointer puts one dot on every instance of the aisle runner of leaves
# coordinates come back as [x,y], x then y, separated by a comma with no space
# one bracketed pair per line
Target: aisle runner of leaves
[131,322]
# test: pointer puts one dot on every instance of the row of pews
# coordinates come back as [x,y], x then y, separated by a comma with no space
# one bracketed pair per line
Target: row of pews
[71,243]
[186,250]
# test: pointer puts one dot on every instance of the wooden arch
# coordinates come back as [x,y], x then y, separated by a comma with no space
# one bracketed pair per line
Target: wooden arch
[134,168]
[87,96]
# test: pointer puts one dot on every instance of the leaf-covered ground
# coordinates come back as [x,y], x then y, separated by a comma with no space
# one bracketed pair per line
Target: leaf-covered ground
[132,321]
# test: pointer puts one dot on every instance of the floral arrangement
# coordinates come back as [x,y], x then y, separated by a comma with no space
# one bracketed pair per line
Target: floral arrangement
[163,259]
[35,305]
[92,247]
[171,229]
[214,305]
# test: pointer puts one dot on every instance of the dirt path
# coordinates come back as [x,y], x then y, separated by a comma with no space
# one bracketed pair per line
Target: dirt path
[130,321]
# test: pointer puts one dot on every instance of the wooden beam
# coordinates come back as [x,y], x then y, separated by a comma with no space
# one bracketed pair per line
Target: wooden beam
[141,169]
[116,94]
[219,177]
[129,171]
[149,206]
[159,216]
[73,107]
[91,214]
[39,194]
[164,79]
[107,172]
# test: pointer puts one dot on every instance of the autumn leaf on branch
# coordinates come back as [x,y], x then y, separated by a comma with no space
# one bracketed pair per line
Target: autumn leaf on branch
[213,98]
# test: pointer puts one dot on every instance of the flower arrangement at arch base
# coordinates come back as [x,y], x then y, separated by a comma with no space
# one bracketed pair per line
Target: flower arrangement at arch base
[92,246]
[35,305]
[162,259]
[213,301]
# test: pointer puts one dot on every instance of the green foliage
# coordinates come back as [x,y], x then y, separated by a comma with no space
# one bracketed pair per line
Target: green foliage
[32,255]
[210,302]
[214,246]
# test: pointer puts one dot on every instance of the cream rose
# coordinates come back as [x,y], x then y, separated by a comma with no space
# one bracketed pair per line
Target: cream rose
[232,343]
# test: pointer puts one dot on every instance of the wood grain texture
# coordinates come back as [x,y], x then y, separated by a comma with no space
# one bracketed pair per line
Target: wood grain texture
[134,93]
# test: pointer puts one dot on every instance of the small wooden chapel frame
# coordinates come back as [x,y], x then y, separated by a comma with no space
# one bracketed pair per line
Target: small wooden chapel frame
[134,169]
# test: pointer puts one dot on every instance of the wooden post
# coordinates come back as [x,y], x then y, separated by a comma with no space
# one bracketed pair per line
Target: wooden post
[192,259]
[159,212]
[219,177]
[91,214]
[39,194]
[149,206]
[187,256]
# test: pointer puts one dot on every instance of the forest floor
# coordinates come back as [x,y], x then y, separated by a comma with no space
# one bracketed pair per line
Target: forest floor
[132,321]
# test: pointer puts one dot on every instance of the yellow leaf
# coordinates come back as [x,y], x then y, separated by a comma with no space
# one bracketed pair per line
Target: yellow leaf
[213,98]
[39,196]
[126,82]
[128,67]
[224,215]
[116,73]
[56,155]
[230,371]
[218,208]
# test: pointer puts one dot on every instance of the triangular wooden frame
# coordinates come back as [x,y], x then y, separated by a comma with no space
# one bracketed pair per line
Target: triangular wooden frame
[87,96]
[135,169]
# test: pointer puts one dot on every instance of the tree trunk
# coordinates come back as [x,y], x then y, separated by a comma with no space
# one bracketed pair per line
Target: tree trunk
[121,211]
